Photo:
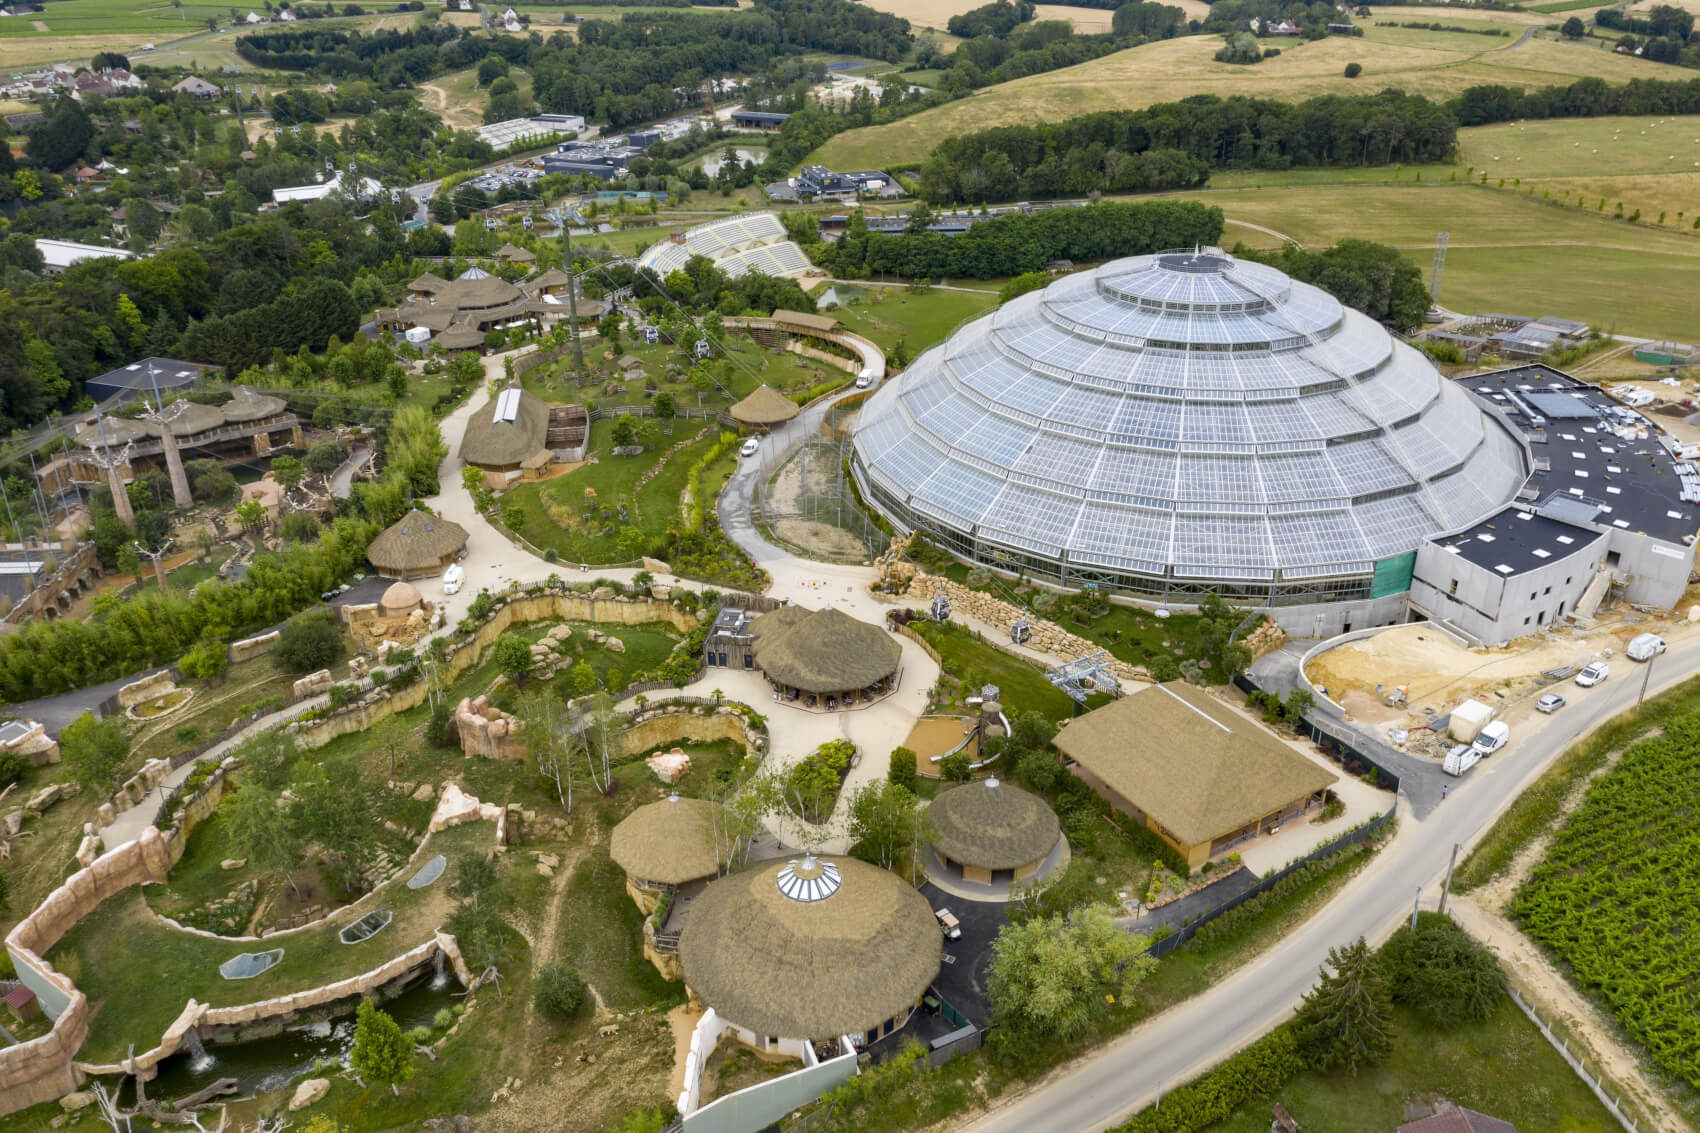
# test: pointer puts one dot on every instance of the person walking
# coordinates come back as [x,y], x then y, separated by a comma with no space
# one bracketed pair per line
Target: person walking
[1444,787]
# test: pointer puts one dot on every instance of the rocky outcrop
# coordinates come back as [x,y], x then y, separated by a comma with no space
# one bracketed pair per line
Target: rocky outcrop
[1048,637]
[308,1092]
[254,646]
[312,683]
[148,688]
[487,731]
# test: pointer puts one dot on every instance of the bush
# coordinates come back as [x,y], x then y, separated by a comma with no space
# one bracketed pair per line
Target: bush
[206,661]
[1353,70]
[1259,1069]
[1439,971]
[308,644]
[419,1036]
[557,990]
[902,770]
[443,1019]
[13,765]
[957,767]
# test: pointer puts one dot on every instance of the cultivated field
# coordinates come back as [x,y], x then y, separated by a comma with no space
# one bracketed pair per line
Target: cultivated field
[1438,64]
[1508,251]
[105,17]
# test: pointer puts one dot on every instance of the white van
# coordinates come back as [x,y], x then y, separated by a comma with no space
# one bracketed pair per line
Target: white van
[453,577]
[1632,395]
[1491,738]
[1460,759]
[1645,647]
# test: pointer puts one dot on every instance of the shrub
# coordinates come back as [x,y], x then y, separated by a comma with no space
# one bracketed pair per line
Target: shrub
[1261,1068]
[206,661]
[1440,972]
[958,767]
[557,990]
[419,1036]
[902,770]
[1353,70]
[13,765]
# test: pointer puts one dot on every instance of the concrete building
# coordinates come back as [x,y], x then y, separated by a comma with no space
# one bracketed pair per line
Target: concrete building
[1199,775]
[766,121]
[57,255]
[1607,509]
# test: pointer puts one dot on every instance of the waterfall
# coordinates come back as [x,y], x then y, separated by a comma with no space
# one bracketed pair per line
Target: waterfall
[441,978]
[199,1059]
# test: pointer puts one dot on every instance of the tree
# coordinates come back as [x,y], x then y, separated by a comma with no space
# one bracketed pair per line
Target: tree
[558,990]
[94,751]
[1051,976]
[1353,70]
[1573,28]
[286,470]
[1438,970]
[323,457]
[958,767]
[624,432]
[266,829]
[308,644]
[478,922]
[1346,1020]
[512,655]
[382,1056]
[339,815]
[251,514]
[902,769]
[545,735]
[266,758]
[884,821]
[665,406]
[206,661]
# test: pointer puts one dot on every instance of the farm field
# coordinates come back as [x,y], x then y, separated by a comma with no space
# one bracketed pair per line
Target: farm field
[1607,902]
[1437,64]
[1574,147]
[103,17]
[1508,252]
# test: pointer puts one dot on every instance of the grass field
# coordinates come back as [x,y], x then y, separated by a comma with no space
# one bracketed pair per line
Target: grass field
[459,98]
[892,313]
[105,17]
[1438,64]
[1501,1067]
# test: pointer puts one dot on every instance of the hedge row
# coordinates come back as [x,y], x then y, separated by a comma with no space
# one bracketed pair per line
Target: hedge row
[1264,1066]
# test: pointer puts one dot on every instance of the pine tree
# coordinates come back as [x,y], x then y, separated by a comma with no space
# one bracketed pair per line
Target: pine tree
[1347,1019]
[381,1055]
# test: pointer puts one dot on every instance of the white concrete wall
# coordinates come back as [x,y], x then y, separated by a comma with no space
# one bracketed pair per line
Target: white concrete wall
[1494,608]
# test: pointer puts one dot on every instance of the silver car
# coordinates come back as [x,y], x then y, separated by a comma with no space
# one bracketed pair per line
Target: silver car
[1549,703]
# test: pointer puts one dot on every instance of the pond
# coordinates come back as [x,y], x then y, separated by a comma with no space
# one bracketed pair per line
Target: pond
[712,163]
[267,1064]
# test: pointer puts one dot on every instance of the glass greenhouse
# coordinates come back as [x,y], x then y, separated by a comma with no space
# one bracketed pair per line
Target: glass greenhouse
[1178,423]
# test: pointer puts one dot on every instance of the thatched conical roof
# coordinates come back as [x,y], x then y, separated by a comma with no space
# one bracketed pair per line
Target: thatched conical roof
[430,283]
[417,541]
[496,444]
[400,598]
[765,406]
[823,650]
[459,336]
[993,825]
[810,968]
[671,842]
[514,254]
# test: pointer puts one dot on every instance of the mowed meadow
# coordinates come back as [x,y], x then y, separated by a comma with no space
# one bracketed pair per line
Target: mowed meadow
[1437,64]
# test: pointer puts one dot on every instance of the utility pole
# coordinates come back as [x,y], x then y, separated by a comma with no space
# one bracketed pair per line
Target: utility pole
[1446,886]
[1646,675]
[572,288]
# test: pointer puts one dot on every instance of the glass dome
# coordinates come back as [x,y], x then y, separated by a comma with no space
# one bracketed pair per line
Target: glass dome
[1183,422]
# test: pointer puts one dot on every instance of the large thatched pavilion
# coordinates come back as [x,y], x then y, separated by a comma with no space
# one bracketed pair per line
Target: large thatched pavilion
[663,846]
[995,833]
[824,658]
[810,950]
[506,431]
[764,408]
[416,545]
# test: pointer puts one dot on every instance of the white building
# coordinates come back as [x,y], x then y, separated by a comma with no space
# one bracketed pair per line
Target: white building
[61,254]
[368,189]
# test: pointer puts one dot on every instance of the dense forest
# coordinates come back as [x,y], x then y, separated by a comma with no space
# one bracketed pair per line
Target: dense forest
[1174,145]
[1372,278]
[1024,242]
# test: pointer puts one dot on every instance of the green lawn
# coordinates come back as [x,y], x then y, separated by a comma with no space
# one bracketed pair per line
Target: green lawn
[887,313]
[139,973]
[96,17]
[1501,1067]
[1022,686]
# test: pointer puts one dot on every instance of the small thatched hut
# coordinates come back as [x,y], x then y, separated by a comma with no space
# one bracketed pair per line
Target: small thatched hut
[810,949]
[417,545]
[664,845]
[824,653]
[459,336]
[764,408]
[400,600]
[993,828]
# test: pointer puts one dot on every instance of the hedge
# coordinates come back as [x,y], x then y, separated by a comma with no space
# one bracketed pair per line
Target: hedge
[1261,1068]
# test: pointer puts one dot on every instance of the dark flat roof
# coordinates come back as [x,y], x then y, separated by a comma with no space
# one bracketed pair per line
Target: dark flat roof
[1514,541]
[1610,459]
[168,372]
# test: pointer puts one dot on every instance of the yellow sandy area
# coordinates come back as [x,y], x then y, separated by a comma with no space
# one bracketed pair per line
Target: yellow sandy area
[936,735]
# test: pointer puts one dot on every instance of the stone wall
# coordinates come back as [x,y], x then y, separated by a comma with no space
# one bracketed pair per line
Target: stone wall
[670,725]
[1048,637]
[145,689]
[487,731]
[42,1069]
[254,646]
[35,745]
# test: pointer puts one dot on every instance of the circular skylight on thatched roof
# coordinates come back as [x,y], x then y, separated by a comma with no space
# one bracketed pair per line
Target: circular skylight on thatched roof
[809,880]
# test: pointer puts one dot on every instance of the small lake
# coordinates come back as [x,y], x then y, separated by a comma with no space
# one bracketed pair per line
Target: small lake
[713,161]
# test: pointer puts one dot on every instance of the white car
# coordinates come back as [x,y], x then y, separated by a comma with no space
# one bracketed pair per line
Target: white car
[1491,738]
[1594,674]
[751,447]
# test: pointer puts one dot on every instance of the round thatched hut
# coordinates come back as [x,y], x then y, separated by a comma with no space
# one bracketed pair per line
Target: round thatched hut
[993,831]
[810,950]
[824,657]
[663,846]
[400,600]
[764,408]
[416,545]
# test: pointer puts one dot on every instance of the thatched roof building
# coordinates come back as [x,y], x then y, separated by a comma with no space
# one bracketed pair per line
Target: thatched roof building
[993,826]
[505,431]
[514,254]
[810,949]
[460,336]
[427,284]
[764,407]
[1200,775]
[416,545]
[803,321]
[669,843]
[823,651]
[401,599]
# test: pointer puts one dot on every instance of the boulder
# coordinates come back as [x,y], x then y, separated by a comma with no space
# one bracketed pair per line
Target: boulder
[562,633]
[14,822]
[45,798]
[308,1092]
[233,863]
[544,871]
[614,645]
[604,594]
[79,1099]
[424,793]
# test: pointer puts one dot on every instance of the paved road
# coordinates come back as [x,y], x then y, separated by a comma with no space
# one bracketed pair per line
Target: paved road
[54,712]
[1181,1043]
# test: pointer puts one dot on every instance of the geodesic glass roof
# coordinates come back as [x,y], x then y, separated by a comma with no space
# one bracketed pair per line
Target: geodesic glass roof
[1188,415]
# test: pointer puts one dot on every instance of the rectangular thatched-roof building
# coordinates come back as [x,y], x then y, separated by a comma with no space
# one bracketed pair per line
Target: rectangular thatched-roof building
[1198,774]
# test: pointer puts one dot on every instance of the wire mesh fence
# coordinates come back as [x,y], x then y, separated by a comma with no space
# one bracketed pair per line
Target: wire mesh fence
[807,505]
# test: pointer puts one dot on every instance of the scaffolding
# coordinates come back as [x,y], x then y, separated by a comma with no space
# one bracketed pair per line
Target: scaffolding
[807,504]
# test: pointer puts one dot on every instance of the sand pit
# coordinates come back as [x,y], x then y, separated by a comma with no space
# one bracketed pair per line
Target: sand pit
[939,735]
[1436,672]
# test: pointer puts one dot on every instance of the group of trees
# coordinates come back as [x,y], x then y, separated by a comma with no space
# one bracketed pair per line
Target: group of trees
[1024,242]
[1373,278]
[1175,145]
